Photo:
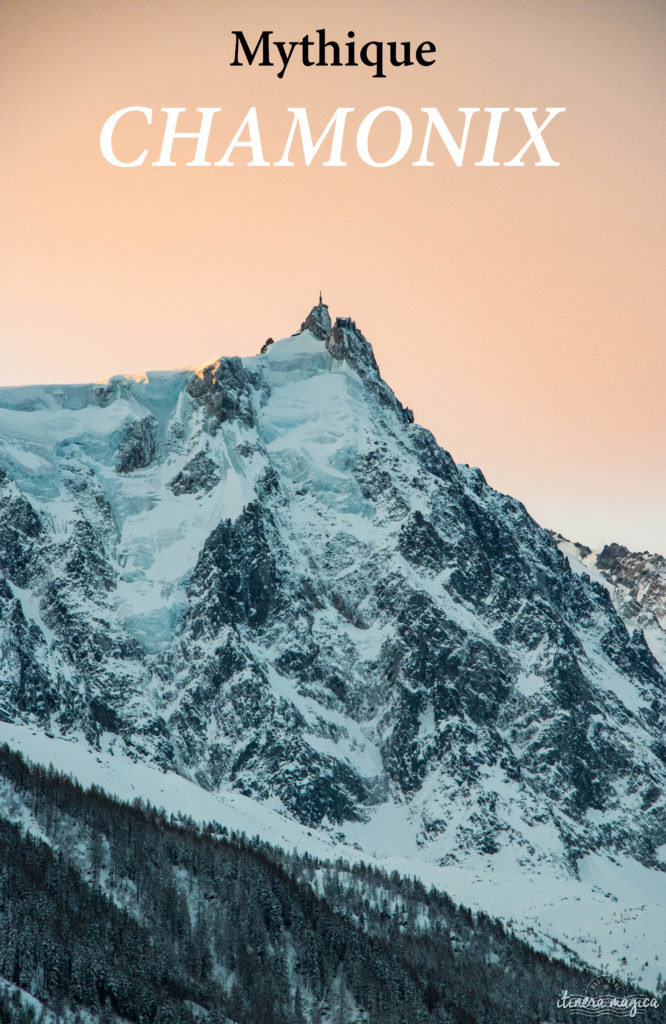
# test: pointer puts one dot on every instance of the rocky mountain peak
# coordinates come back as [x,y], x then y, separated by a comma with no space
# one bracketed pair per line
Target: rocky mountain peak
[346,341]
[318,321]
[264,575]
[642,573]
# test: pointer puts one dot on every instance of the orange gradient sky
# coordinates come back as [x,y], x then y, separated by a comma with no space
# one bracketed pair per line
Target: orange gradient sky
[519,311]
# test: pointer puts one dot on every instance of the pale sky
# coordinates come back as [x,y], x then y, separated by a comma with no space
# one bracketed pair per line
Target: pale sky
[518,311]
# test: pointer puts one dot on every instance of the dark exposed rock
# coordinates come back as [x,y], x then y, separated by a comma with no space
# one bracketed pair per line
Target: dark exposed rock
[85,561]
[612,557]
[642,573]
[105,715]
[199,474]
[346,342]
[318,322]
[138,446]
[224,390]
[20,532]
[421,545]
[237,573]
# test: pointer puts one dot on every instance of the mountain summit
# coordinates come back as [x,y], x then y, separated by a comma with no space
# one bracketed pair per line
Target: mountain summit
[318,321]
[264,575]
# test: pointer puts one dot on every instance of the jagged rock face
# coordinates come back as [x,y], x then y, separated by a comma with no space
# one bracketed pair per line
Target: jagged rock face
[199,474]
[641,573]
[317,322]
[137,448]
[300,594]
[345,341]
[636,582]
[224,390]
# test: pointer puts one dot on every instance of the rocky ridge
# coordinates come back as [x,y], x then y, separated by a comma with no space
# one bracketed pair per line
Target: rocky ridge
[636,582]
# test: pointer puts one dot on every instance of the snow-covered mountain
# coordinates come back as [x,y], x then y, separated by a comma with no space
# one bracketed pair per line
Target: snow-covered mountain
[264,576]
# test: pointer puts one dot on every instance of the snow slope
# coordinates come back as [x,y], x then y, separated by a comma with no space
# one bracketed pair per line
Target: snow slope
[610,917]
